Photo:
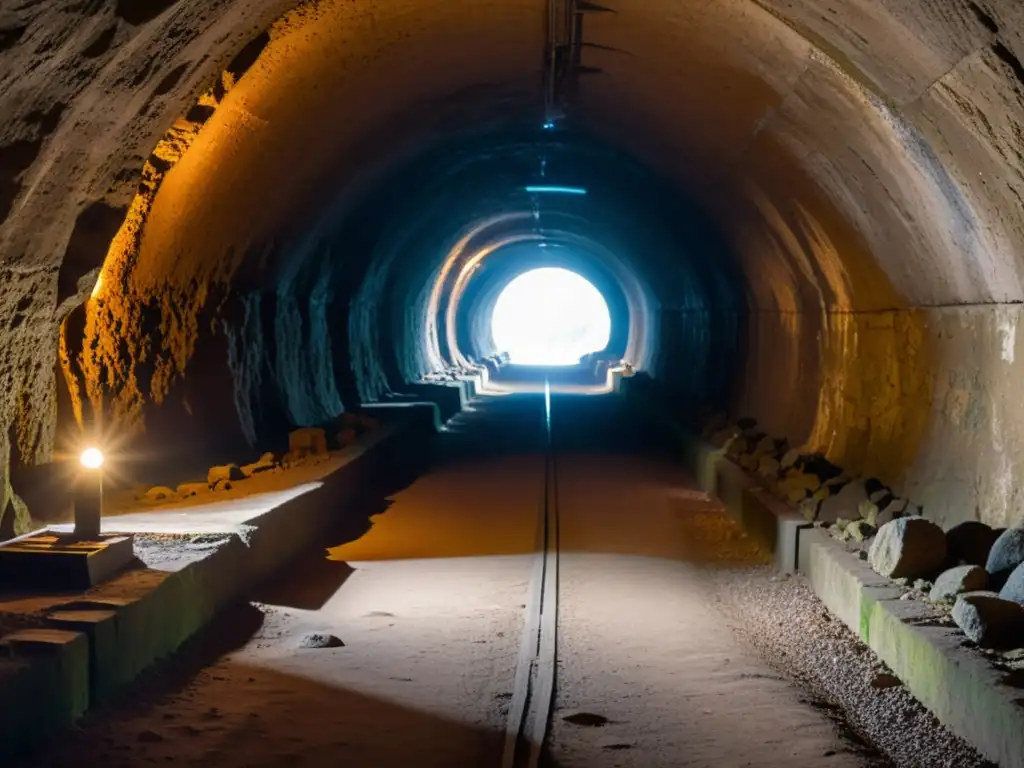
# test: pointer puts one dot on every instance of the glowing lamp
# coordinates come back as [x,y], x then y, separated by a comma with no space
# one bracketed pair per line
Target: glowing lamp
[88,497]
[91,458]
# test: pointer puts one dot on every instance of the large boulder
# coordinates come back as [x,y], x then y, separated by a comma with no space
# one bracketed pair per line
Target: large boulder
[910,547]
[956,581]
[988,620]
[970,542]
[1006,554]
[845,503]
[1013,589]
[308,441]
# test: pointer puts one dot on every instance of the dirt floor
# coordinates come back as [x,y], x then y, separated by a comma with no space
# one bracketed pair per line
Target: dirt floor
[677,645]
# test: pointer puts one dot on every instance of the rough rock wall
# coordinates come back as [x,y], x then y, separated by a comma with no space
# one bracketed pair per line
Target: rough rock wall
[86,90]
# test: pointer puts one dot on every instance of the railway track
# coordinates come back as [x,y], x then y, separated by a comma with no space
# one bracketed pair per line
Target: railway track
[534,687]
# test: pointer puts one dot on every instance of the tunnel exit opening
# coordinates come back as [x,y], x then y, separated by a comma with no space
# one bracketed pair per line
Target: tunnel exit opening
[550,317]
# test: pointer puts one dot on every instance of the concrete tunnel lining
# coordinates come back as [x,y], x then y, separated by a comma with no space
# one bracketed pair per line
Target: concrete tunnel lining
[861,165]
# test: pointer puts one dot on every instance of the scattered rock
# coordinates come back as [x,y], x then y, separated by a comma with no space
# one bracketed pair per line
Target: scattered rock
[790,459]
[882,496]
[735,446]
[821,467]
[191,489]
[158,493]
[922,585]
[796,482]
[970,542]
[873,485]
[988,620]
[956,581]
[859,530]
[225,473]
[222,485]
[891,511]
[746,422]
[266,463]
[885,680]
[1013,589]
[346,436]
[320,640]
[910,547]
[588,719]
[868,510]
[722,437]
[845,503]
[809,508]
[1006,554]
[912,510]
[307,441]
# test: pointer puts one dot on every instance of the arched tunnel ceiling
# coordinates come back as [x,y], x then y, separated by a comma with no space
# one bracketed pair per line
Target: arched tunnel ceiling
[862,157]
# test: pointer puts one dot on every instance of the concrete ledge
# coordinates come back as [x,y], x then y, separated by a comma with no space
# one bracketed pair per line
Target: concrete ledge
[102,640]
[956,682]
[44,684]
[419,415]
[451,397]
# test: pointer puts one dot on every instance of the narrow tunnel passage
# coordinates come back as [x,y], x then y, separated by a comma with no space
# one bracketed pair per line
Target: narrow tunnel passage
[233,230]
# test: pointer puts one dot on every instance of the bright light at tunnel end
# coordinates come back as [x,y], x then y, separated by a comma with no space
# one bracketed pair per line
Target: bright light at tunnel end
[550,316]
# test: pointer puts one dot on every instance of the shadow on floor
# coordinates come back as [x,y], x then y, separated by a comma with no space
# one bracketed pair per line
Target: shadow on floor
[203,707]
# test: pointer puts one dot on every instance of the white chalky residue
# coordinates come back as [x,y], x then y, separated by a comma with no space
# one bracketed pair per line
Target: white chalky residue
[1007,325]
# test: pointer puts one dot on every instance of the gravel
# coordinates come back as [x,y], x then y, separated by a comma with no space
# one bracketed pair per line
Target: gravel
[171,552]
[783,620]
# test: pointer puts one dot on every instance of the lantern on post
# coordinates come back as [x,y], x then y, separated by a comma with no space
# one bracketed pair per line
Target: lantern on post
[88,497]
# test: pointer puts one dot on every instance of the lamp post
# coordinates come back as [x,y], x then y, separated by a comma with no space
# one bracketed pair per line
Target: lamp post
[88,499]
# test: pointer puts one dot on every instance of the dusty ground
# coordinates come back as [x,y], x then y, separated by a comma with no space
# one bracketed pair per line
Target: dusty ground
[676,645]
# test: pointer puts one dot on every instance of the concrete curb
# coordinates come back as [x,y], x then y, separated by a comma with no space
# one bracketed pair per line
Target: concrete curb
[953,680]
[49,677]
[956,682]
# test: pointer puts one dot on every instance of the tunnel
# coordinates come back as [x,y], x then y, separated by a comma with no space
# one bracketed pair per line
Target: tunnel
[802,216]
[224,221]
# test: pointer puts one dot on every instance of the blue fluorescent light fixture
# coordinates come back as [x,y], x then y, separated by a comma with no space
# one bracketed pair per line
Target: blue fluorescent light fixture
[556,190]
